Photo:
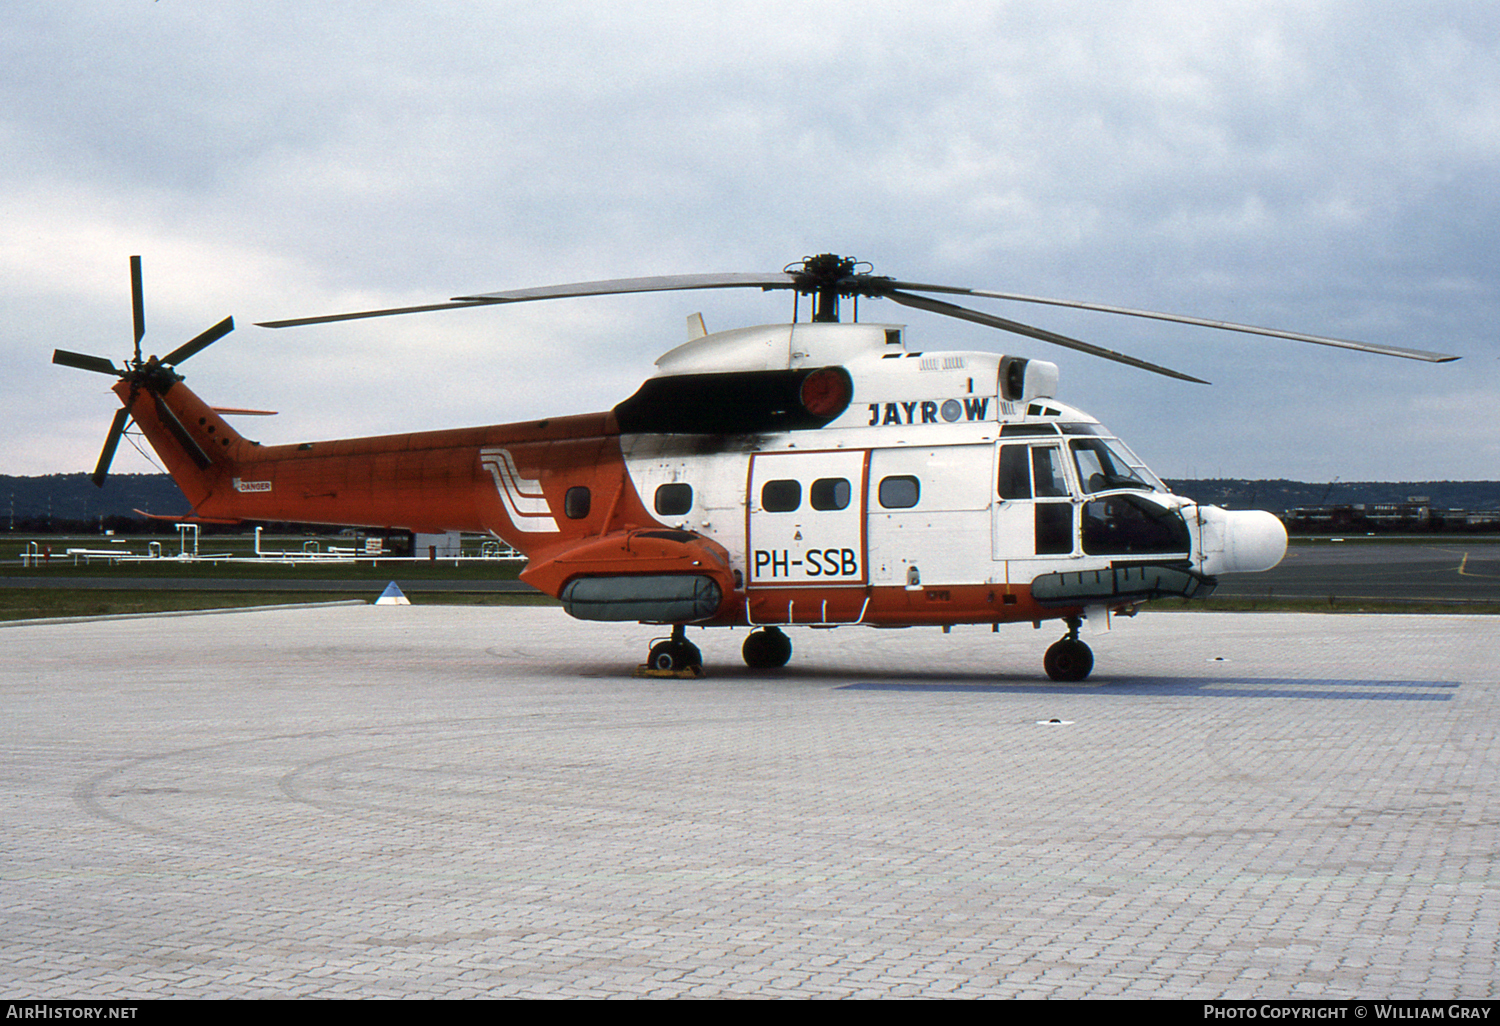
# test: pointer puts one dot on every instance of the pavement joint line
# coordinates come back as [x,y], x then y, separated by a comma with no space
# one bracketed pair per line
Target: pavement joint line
[47,621]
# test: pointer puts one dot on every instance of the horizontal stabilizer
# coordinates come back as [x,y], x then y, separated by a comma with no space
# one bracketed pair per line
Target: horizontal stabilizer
[184,518]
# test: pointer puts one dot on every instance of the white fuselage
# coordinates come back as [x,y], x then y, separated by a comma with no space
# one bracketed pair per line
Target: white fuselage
[940,472]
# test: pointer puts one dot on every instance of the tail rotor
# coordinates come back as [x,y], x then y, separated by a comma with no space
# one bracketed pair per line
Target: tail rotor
[156,374]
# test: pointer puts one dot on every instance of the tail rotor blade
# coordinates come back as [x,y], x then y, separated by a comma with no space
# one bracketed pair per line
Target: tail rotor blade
[83,361]
[111,442]
[138,304]
[200,343]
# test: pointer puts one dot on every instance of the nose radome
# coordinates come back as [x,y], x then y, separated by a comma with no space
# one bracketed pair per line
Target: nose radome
[1253,540]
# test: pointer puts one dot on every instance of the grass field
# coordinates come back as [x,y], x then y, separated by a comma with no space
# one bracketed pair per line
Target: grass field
[219,557]
[50,603]
[213,565]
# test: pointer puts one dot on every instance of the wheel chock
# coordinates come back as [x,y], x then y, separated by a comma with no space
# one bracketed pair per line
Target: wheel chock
[686,673]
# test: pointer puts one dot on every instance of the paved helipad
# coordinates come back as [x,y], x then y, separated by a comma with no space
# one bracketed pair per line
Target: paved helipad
[381,801]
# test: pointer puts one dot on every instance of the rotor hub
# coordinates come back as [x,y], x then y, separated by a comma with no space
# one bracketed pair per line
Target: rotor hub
[827,277]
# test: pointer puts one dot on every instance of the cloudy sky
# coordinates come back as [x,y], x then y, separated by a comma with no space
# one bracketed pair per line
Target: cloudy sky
[1328,167]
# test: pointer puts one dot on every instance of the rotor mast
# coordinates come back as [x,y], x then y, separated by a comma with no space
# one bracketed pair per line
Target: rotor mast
[825,277]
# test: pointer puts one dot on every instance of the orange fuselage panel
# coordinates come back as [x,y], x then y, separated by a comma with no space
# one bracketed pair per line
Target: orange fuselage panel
[430,482]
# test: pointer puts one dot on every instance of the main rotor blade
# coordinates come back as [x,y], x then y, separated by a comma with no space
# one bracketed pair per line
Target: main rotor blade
[297,322]
[965,314]
[1202,322]
[620,286]
[137,304]
[111,442]
[203,341]
[873,285]
[83,361]
[614,286]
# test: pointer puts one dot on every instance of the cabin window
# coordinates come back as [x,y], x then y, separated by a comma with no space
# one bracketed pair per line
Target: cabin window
[780,496]
[829,493]
[673,500]
[900,492]
[1015,472]
[1125,525]
[576,502]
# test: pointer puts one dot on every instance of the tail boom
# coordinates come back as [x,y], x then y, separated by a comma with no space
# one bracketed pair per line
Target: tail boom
[510,481]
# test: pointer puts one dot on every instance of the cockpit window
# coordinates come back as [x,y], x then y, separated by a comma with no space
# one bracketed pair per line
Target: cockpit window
[1105,464]
[1015,473]
[1047,471]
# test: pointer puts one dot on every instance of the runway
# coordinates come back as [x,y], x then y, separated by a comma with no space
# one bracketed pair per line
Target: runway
[482,801]
[1450,570]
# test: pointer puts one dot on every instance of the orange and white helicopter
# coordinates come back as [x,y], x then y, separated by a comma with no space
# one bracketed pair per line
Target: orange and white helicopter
[812,474]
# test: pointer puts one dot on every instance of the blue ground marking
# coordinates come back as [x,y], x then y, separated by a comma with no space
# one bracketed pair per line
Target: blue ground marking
[1216,687]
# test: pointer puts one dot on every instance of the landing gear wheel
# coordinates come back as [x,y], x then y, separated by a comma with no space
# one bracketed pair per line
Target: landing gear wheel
[1068,660]
[671,656]
[766,649]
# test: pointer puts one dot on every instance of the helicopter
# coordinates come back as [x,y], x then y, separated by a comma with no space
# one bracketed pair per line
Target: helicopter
[820,473]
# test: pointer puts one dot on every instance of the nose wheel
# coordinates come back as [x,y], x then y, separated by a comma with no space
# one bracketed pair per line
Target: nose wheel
[1069,659]
[676,654]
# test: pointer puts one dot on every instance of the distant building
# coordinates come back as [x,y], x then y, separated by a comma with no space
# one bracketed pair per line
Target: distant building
[1415,515]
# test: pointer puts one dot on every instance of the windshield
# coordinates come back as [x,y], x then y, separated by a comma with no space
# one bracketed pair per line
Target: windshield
[1105,464]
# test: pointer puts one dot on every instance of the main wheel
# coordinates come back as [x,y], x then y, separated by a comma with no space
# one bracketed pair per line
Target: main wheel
[669,656]
[767,649]
[1068,660]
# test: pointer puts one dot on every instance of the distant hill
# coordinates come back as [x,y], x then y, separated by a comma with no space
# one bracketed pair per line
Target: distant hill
[70,502]
[1280,495]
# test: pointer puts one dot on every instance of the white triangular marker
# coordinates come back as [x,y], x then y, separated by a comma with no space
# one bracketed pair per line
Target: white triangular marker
[392,596]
